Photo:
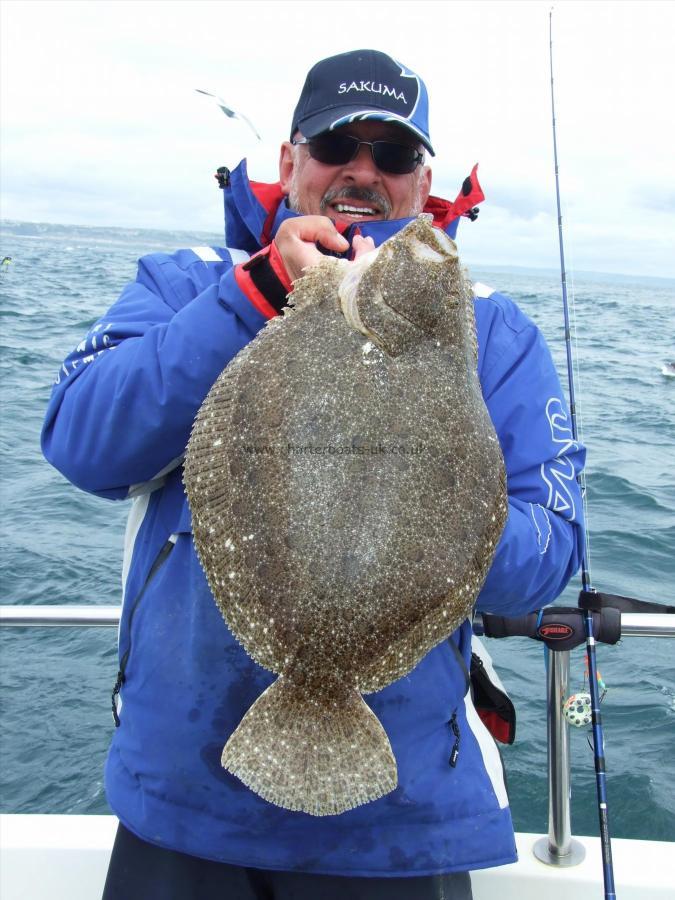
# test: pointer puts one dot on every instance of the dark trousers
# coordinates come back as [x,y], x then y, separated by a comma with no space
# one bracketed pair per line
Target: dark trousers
[142,871]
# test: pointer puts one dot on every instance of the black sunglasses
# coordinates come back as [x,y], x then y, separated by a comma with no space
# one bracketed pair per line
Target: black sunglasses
[334,149]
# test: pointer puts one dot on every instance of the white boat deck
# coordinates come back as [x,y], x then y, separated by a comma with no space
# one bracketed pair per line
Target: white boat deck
[66,858]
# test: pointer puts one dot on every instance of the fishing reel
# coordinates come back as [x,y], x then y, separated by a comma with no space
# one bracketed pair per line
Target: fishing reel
[578,710]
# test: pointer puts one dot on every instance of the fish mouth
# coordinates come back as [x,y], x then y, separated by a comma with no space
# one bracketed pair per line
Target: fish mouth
[348,293]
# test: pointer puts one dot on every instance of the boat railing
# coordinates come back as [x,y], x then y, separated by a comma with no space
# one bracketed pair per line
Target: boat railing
[40,615]
[559,848]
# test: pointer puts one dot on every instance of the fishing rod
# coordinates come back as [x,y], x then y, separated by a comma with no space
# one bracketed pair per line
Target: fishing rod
[598,739]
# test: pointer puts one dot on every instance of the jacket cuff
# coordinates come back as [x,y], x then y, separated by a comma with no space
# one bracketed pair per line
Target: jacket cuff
[264,280]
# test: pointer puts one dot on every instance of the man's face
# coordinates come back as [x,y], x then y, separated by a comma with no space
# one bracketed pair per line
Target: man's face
[358,190]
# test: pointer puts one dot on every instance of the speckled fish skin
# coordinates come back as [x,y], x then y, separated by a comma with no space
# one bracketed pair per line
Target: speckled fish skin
[347,491]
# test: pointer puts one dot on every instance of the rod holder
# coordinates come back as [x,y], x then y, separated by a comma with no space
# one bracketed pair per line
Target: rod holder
[559,849]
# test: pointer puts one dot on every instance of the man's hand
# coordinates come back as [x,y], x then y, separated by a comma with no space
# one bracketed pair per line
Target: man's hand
[296,243]
[296,239]
[361,245]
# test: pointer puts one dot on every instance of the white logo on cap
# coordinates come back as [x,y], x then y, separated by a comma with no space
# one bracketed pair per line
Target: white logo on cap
[373,87]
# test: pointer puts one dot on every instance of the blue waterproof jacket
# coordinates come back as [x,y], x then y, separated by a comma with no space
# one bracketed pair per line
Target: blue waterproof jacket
[117,425]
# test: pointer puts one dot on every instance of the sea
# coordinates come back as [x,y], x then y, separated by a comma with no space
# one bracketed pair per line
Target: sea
[61,545]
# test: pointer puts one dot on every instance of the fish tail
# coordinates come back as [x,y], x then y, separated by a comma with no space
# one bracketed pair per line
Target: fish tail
[319,758]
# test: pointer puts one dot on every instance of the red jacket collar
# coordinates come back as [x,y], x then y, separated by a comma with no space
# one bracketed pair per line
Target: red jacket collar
[259,208]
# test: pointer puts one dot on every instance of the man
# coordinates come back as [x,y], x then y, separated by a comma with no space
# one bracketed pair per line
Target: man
[120,416]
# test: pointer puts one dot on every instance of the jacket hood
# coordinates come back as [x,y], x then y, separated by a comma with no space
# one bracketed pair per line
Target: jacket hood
[254,211]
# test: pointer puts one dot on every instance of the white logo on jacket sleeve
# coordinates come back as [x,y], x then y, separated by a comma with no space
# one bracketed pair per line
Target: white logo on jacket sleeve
[94,344]
[542,523]
[558,474]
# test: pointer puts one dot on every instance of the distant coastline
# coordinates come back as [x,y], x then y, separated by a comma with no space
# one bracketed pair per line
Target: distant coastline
[169,240]
[151,237]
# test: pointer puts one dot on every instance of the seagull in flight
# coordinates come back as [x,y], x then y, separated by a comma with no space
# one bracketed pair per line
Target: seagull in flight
[230,113]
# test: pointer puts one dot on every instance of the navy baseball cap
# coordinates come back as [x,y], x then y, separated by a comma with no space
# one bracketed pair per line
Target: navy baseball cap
[362,84]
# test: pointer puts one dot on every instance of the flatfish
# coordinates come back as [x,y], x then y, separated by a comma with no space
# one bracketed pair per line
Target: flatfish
[347,491]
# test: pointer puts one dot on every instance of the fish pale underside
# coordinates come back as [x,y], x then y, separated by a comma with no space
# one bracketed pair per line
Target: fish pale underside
[347,491]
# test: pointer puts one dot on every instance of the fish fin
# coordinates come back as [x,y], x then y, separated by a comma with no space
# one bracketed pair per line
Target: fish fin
[468,301]
[300,754]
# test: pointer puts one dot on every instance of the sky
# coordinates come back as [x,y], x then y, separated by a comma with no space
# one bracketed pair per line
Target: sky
[101,124]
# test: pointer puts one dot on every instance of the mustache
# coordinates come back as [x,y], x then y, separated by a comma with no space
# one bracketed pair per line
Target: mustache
[365,195]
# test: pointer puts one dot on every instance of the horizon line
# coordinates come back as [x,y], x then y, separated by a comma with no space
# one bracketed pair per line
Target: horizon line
[4,222]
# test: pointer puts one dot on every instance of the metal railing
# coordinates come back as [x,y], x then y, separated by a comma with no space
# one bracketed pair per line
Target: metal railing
[632,624]
[70,614]
[559,848]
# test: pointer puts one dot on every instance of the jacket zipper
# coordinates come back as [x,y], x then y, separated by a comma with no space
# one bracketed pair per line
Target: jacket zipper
[454,725]
[121,677]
